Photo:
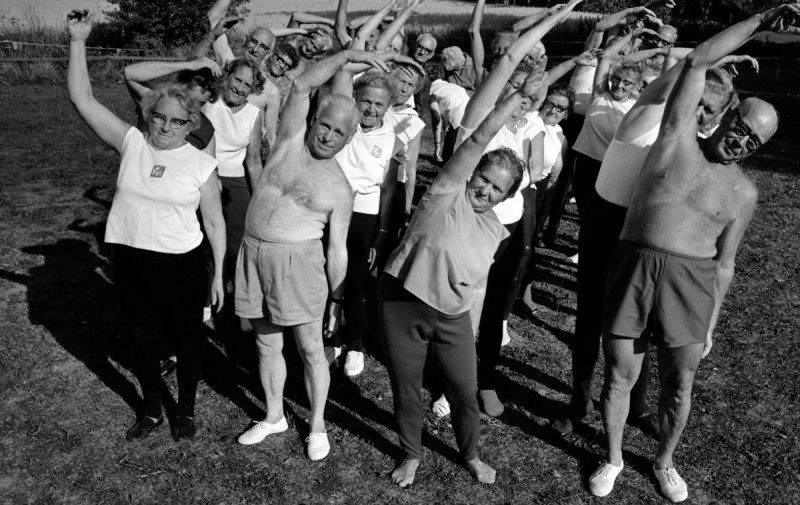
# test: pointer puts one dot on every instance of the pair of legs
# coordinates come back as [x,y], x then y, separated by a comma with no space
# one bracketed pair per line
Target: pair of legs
[409,326]
[359,239]
[162,296]
[272,368]
[676,370]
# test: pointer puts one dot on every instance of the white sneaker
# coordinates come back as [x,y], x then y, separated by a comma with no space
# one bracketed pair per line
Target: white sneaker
[207,313]
[602,480]
[354,364]
[506,337]
[672,485]
[318,446]
[573,259]
[260,431]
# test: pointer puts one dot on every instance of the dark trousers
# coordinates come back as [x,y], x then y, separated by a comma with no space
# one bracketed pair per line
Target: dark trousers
[359,238]
[162,296]
[572,127]
[409,326]
[235,199]
[586,171]
[599,233]
[498,287]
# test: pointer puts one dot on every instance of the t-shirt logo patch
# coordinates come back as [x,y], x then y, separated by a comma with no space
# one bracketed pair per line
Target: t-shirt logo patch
[376,151]
[158,171]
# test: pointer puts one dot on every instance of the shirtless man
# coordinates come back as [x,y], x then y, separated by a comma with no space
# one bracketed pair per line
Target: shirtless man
[281,280]
[674,264]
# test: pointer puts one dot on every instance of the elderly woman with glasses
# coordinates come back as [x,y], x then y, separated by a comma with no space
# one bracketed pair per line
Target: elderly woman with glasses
[153,226]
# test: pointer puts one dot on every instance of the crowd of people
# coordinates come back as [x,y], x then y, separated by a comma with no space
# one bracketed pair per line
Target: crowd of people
[279,178]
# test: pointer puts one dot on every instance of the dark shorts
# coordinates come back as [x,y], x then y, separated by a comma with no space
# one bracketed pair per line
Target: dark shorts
[283,283]
[669,294]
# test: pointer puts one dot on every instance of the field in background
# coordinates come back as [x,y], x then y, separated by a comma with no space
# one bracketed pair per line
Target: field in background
[67,394]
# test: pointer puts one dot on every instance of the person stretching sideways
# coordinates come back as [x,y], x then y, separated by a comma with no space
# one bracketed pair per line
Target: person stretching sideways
[280,274]
[674,264]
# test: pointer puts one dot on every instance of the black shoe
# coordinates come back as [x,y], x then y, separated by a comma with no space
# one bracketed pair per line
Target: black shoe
[562,425]
[646,422]
[142,428]
[184,428]
[168,365]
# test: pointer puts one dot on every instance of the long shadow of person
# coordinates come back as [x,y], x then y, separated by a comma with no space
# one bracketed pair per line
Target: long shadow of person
[71,296]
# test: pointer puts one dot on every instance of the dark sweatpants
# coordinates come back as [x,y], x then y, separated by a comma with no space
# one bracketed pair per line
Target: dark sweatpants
[572,127]
[601,226]
[162,296]
[408,326]
[586,171]
[235,199]
[359,238]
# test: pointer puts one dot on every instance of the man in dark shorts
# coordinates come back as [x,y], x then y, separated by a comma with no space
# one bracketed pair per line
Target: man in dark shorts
[674,264]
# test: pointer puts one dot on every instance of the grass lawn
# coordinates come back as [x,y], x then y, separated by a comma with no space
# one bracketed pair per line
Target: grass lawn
[67,394]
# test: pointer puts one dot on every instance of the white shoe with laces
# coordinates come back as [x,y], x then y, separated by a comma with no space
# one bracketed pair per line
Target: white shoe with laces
[260,431]
[506,336]
[354,364]
[672,485]
[602,480]
[318,446]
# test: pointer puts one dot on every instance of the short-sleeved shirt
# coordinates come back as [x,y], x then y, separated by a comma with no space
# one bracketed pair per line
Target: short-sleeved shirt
[602,120]
[452,100]
[465,77]
[407,125]
[447,251]
[157,196]
[233,131]
[365,161]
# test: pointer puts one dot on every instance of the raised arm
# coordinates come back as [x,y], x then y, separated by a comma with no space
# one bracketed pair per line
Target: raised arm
[293,114]
[139,73]
[340,23]
[371,24]
[526,22]
[586,58]
[475,39]
[679,116]
[103,122]
[459,167]
[306,18]
[610,55]
[252,160]
[395,26]
[489,90]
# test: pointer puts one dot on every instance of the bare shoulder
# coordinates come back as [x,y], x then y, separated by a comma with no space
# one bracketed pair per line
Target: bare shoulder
[745,187]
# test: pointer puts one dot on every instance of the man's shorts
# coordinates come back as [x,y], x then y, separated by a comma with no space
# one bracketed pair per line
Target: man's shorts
[670,294]
[283,283]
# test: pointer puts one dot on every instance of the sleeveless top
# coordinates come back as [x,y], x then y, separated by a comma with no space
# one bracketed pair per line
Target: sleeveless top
[365,161]
[447,251]
[233,135]
[157,196]
[604,116]
[622,165]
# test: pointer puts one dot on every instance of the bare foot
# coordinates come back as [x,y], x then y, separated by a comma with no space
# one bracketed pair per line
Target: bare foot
[481,471]
[403,475]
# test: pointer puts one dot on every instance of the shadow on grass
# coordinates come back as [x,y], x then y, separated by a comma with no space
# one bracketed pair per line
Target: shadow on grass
[71,296]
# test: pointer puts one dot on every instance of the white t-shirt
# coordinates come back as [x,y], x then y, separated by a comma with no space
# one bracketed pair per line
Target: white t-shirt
[365,161]
[622,165]
[158,193]
[604,116]
[452,100]
[510,210]
[582,84]
[232,132]
[407,125]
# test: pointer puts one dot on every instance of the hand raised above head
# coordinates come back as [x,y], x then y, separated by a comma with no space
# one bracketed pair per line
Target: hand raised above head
[204,62]
[589,58]
[372,59]
[782,19]
[79,24]
[533,84]
[399,59]
[225,24]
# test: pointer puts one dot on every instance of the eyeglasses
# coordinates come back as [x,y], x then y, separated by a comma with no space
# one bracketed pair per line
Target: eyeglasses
[174,123]
[259,46]
[424,51]
[285,61]
[742,130]
[547,104]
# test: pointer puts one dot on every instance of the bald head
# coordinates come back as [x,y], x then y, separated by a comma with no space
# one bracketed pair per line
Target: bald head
[668,34]
[259,44]
[760,116]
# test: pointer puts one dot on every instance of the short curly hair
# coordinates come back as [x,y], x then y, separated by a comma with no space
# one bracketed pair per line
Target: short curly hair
[178,92]
[505,159]
[561,89]
[376,79]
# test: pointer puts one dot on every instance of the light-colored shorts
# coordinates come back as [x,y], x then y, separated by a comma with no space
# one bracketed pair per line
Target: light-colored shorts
[283,283]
